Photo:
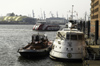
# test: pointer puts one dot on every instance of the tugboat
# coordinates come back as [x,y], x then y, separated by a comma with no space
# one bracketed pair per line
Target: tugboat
[40,46]
[43,26]
[69,45]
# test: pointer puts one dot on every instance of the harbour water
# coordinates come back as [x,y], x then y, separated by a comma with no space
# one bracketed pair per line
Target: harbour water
[13,37]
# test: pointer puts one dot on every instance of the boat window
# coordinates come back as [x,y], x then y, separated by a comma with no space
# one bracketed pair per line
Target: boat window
[59,47]
[67,37]
[37,38]
[80,37]
[72,37]
[71,48]
[67,49]
[59,42]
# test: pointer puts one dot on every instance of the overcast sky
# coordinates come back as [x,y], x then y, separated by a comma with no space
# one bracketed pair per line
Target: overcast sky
[25,7]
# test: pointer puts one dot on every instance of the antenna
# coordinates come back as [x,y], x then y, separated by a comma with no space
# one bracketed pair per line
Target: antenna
[85,16]
[72,11]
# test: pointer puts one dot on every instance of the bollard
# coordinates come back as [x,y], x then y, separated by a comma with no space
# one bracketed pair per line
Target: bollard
[86,63]
[94,56]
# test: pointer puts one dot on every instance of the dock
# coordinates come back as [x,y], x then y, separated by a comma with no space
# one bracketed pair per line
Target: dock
[93,50]
[91,63]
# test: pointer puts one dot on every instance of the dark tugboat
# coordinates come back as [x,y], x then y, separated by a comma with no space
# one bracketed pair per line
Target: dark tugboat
[40,46]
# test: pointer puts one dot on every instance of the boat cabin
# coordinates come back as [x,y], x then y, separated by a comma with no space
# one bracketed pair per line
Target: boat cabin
[39,41]
[70,35]
[75,36]
[38,37]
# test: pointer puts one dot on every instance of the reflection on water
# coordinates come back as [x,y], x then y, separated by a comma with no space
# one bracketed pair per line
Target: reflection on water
[48,62]
[12,37]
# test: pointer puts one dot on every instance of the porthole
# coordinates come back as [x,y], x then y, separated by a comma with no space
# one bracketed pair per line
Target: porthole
[66,48]
[59,42]
[71,48]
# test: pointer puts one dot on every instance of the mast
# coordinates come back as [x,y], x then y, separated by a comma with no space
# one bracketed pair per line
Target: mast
[33,13]
[44,15]
[72,11]
[51,14]
[85,16]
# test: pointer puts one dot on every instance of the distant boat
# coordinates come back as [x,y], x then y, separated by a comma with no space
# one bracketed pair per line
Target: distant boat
[40,46]
[45,26]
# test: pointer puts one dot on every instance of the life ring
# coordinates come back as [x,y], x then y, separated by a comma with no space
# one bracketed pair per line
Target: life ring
[69,55]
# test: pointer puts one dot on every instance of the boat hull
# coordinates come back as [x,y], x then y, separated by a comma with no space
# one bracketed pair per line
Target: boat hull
[46,27]
[65,55]
[65,59]
[33,53]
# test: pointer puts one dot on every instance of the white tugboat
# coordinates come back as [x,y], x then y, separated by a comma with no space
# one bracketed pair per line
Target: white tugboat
[69,44]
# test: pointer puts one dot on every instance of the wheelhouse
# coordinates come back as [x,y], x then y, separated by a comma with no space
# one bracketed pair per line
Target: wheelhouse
[70,36]
[75,36]
[38,37]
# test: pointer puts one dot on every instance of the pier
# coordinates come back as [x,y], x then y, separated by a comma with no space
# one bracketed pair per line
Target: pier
[93,53]
[91,63]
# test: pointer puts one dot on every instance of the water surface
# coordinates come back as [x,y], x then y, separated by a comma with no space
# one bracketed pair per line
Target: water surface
[13,37]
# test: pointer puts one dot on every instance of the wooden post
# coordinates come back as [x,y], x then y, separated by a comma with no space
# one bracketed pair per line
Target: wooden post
[96,31]
[88,29]
[94,57]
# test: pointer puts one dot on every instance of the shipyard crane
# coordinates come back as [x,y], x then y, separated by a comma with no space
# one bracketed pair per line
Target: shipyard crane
[51,14]
[33,13]
[57,14]
[44,15]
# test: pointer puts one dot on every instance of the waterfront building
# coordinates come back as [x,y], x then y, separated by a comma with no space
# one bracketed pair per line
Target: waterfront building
[95,19]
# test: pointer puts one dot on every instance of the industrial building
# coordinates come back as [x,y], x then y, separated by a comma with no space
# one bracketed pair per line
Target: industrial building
[56,20]
[11,18]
